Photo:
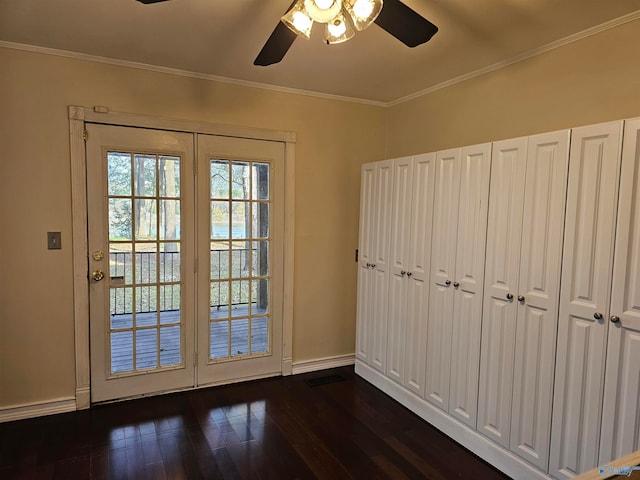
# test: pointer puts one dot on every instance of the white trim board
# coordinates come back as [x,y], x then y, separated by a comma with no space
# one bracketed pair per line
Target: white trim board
[616,22]
[38,409]
[314,365]
[490,452]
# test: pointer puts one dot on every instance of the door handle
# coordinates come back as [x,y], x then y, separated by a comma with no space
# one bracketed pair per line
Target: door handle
[409,274]
[402,273]
[614,319]
[597,316]
[447,283]
[97,275]
[521,298]
[456,284]
[509,296]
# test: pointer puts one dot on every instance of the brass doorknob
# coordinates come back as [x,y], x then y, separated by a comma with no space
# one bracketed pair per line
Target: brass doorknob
[97,275]
[614,319]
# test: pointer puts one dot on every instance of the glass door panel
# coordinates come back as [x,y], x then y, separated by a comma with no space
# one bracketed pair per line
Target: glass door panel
[239,259]
[137,219]
[243,316]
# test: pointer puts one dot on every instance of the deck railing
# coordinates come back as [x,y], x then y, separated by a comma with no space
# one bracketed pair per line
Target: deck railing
[151,267]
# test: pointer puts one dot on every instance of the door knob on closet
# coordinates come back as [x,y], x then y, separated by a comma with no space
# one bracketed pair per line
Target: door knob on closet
[402,273]
[447,283]
[509,296]
[520,298]
[597,316]
[456,284]
[614,319]
[409,274]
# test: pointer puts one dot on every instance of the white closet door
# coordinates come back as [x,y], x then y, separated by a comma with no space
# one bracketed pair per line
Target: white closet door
[443,259]
[538,295]
[469,280]
[594,162]
[366,248]
[621,408]
[398,285]
[506,195]
[419,268]
[381,263]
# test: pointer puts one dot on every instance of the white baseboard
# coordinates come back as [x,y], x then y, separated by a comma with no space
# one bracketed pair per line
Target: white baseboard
[490,452]
[40,409]
[323,363]
[83,397]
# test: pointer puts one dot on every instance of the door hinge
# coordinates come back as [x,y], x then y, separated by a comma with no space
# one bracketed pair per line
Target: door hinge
[85,135]
[356,255]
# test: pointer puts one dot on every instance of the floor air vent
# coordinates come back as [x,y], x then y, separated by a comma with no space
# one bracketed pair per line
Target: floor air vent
[316,382]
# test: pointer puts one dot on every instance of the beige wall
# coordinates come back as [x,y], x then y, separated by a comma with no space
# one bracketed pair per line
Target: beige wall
[593,80]
[36,299]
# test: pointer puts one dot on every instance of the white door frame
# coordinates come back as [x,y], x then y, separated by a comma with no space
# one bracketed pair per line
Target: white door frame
[78,116]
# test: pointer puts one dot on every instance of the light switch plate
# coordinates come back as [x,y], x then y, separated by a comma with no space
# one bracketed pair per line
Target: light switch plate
[54,240]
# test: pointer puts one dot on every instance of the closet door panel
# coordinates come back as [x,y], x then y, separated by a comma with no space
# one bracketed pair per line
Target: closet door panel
[422,215]
[621,409]
[496,372]
[506,195]
[469,275]
[418,282]
[380,289]
[538,295]
[397,327]
[366,248]
[443,258]
[401,214]
[445,215]
[439,345]
[383,212]
[416,334]
[400,258]
[594,162]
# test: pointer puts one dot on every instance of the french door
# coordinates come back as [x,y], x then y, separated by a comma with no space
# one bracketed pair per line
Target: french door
[240,256]
[182,260]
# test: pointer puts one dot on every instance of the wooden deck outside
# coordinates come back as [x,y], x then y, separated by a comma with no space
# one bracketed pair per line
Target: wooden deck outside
[222,329]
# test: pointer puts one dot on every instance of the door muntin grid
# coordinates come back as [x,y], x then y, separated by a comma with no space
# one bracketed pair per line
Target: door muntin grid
[240,320]
[145,328]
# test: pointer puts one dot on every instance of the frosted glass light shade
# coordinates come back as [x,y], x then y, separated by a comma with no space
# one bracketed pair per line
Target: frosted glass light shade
[298,20]
[323,11]
[340,29]
[363,12]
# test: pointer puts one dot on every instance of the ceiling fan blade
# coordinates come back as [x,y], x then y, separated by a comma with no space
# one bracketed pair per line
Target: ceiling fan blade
[405,24]
[276,47]
[147,2]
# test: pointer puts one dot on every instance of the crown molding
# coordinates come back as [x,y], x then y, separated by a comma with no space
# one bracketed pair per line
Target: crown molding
[616,22]
[182,73]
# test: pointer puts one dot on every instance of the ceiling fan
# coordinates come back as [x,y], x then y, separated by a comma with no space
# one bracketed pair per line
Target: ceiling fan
[342,19]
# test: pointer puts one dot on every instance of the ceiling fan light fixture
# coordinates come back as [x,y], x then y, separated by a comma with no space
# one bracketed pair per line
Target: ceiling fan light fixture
[340,29]
[322,11]
[298,20]
[363,12]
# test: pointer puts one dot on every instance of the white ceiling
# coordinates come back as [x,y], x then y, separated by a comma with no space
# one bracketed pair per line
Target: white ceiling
[223,37]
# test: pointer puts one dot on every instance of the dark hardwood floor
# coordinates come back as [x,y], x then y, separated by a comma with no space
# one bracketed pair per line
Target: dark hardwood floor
[298,427]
